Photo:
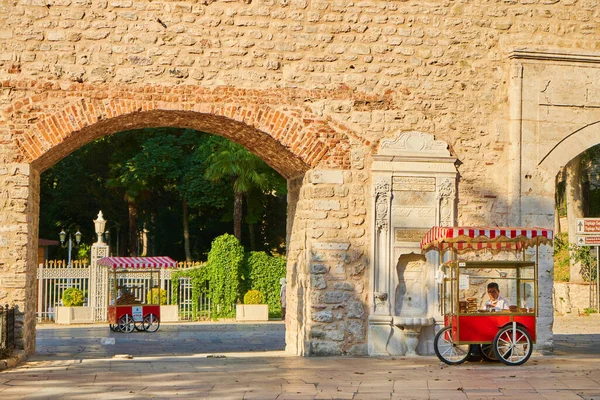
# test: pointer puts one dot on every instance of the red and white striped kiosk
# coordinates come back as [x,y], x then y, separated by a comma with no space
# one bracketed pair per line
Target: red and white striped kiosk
[131,306]
[503,327]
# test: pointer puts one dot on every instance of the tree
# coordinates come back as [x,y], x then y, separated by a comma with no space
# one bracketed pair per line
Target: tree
[244,170]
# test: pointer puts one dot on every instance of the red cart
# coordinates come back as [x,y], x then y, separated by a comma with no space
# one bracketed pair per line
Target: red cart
[502,334]
[132,303]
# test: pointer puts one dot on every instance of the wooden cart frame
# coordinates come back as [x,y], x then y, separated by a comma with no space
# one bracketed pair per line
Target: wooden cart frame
[137,314]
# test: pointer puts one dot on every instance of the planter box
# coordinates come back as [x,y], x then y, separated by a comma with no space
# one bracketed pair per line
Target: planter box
[251,312]
[73,315]
[169,314]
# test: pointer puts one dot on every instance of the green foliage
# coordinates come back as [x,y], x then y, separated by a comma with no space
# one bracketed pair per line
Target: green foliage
[562,258]
[157,172]
[72,297]
[583,255]
[219,280]
[589,310]
[225,263]
[253,297]
[264,272]
[155,294]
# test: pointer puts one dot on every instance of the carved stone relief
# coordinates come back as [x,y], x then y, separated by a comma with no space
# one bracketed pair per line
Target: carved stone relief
[382,193]
[447,196]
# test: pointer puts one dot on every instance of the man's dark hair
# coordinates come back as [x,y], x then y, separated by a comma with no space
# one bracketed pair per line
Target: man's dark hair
[493,285]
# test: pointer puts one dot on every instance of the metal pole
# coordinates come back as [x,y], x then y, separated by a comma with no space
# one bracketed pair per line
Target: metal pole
[70,247]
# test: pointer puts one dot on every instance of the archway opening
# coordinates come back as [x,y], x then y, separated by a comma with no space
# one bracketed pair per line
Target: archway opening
[269,235]
[576,213]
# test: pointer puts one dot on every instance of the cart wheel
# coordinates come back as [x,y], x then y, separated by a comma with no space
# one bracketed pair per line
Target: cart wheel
[513,346]
[151,323]
[113,327]
[447,350]
[139,326]
[487,352]
[126,323]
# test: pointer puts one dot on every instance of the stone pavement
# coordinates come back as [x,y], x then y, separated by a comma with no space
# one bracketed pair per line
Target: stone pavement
[82,370]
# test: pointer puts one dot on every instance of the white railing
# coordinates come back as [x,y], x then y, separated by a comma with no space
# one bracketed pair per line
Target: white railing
[54,277]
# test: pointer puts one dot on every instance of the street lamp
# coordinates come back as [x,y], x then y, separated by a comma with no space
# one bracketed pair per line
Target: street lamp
[63,237]
[99,225]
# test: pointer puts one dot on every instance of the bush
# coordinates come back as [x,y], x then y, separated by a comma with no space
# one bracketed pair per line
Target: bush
[154,295]
[72,297]
[265,271]
[225,263]
[253,297]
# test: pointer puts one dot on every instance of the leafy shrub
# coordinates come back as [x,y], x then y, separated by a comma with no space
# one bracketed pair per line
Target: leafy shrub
[225,261]
[265,271]
[154,295]
[227,273]
[253,297]
[72,297]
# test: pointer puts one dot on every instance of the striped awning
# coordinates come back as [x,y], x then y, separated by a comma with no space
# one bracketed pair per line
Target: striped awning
[478,238]
[137,262]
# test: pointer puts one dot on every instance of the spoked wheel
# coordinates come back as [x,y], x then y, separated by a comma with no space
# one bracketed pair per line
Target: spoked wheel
[126,323]
[448,351]
[113,327]
[487,352]
[151,323]
[513,345]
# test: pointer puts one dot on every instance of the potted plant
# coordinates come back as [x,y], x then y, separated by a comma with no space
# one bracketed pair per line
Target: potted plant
[253,308]
[168,313]
[72,310]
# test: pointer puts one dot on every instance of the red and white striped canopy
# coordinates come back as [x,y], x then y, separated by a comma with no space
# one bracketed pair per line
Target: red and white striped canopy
[477,238]
[137,262]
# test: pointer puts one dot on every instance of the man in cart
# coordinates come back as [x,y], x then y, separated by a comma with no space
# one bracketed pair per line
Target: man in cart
[496,302]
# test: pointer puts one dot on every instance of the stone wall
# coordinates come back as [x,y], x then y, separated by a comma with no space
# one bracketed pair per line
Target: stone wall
[573,298]
[309,86]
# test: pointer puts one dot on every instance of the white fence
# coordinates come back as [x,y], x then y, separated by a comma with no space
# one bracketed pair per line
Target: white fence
[54,277]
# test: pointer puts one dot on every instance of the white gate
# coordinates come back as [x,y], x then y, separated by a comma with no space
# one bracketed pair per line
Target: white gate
[53,279]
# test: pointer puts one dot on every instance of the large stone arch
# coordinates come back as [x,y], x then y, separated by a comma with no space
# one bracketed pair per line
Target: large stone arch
[289,138]
[312,152]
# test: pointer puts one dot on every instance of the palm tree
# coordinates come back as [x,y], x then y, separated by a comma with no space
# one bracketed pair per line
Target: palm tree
[244,170]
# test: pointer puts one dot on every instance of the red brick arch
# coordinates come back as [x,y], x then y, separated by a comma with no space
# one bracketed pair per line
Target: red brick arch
[288,137]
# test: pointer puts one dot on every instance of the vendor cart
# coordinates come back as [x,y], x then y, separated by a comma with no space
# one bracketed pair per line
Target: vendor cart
[507,333]
[134,292]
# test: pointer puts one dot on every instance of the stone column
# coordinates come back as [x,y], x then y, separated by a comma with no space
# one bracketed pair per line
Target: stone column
[19,211]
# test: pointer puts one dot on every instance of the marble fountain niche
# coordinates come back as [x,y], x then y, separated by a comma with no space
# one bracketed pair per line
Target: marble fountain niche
[414,188]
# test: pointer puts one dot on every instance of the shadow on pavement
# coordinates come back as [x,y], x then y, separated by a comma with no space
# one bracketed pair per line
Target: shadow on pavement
[97,341]
[583,344]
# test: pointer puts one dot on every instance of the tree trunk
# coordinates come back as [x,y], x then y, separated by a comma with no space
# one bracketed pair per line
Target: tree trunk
[145,232]
[237,215]
[574,201]
[252,237]
[186,231]
[133,239]
[557,198]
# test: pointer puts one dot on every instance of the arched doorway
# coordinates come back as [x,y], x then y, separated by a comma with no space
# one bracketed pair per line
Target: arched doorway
[308,151]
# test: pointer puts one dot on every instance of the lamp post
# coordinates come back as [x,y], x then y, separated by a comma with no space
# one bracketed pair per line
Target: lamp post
[63,237]
[99,225]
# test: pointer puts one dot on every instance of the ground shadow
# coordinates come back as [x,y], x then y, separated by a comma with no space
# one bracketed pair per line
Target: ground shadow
[97,341]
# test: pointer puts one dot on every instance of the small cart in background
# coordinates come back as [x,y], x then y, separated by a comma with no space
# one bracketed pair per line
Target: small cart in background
[134,292]
[501,335]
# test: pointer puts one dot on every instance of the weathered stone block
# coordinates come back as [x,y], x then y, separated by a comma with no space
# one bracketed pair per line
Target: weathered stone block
[325,348]
[318,282]
[319,269]
[326,205]
[322,316]
[356,309]
[327,176]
